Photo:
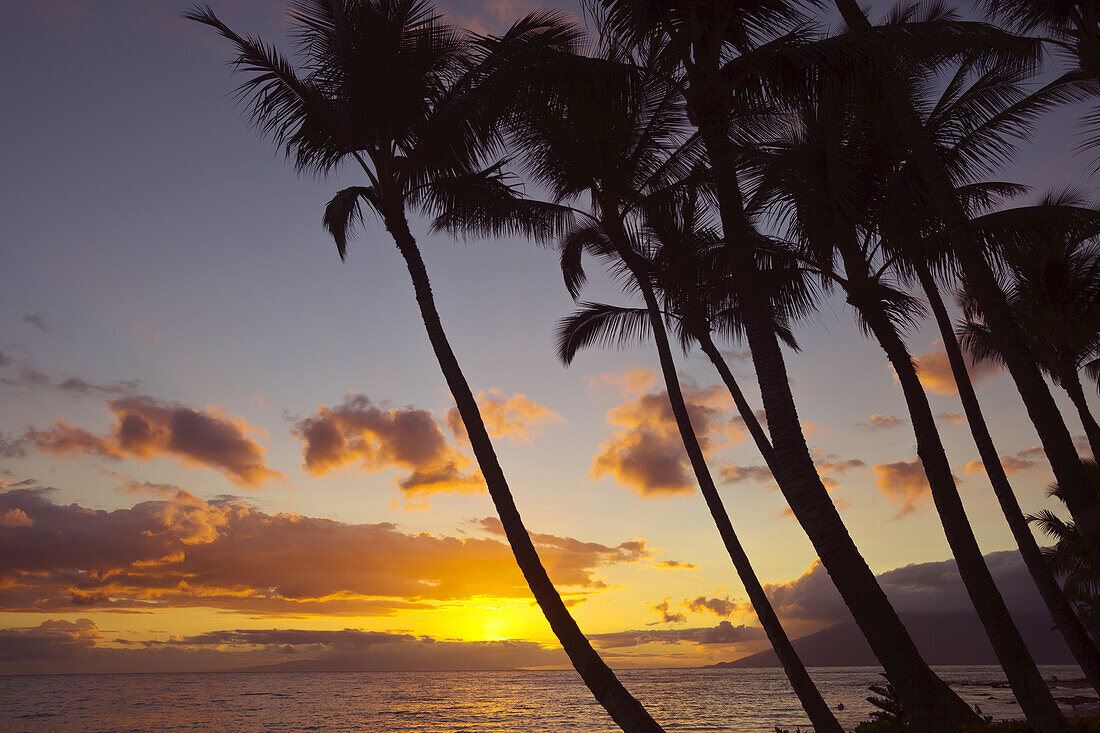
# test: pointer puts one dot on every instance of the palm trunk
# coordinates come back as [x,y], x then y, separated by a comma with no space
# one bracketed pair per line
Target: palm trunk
[756,430]
[1023,676]
[981,283]
[930,702]
[1071,383]
[624,709]
[816,709]
[1073,631]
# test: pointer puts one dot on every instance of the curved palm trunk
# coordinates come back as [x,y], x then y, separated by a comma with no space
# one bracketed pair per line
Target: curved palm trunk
[981,283]
[1071,383]
[1023,676]
[624,709]
[932,705]
[756,430]
[816,709]
[1073,631]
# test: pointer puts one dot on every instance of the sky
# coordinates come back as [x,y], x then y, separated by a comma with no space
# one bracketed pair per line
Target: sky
[222,447]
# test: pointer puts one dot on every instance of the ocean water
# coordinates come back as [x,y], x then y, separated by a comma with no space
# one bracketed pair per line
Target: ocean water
[747,700]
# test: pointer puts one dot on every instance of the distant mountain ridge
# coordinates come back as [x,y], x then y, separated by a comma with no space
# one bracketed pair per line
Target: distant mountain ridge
[942,639]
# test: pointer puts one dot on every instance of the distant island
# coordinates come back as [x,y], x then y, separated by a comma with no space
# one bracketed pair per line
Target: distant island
[943,639]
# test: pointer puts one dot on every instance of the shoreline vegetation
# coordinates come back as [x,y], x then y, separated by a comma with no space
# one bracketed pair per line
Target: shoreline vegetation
[729,163]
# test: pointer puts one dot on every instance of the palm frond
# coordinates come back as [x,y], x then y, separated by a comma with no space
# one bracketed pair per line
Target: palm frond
[344,212]
[281,104]
[490,203]
[577,241]
[600,325]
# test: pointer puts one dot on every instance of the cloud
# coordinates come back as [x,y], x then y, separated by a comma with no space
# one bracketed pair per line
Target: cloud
[77,386]
[146,428]
[1081,443]
[934,370]
[667,616]
[1022,461]
[955,418]
[488,16]
[720,607]
[675,565]
[37,320]
[183,551]
[903,482]
[881,422]
[634,382]
[832,463]
[517,418]
[51,639]
[572,553]
[15,518]
[932,587]
[723,633]
[80,646]
[12,447]
[645,452]
[357,431]
[29,376]
[731,474]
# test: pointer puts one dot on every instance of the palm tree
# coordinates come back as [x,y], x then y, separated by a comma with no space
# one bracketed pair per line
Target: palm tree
[1068,560]
[1073,631]
[722,54]
[980,280]
[1053,288]
[598,129]
[826,176]
[690,273]
[971,118]
[1073,25]
[390,87]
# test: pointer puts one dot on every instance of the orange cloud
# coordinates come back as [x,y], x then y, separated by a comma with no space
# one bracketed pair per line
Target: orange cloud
[881,422]
[1011,464]
[358,432]
[517,418]
[145,428]
[183,551]
[675,565]
[646,454]
[65,647]
[934,370]
[633,381]
[721,607]
[15,518]
[667,616]
[903,482]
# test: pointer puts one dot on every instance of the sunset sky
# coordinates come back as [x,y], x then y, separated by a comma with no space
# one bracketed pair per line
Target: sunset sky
[222,447]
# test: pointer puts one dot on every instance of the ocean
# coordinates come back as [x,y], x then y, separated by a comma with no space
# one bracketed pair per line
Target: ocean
[742,700]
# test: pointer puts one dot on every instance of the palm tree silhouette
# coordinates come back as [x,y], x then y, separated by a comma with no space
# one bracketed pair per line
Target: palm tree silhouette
[1067,558]
[723,55]
[826,175]
[691,273]
[602,129]
[980,280]
[390,86]
[975,119]
[1076,636]
[1073,26]
[1053,288]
